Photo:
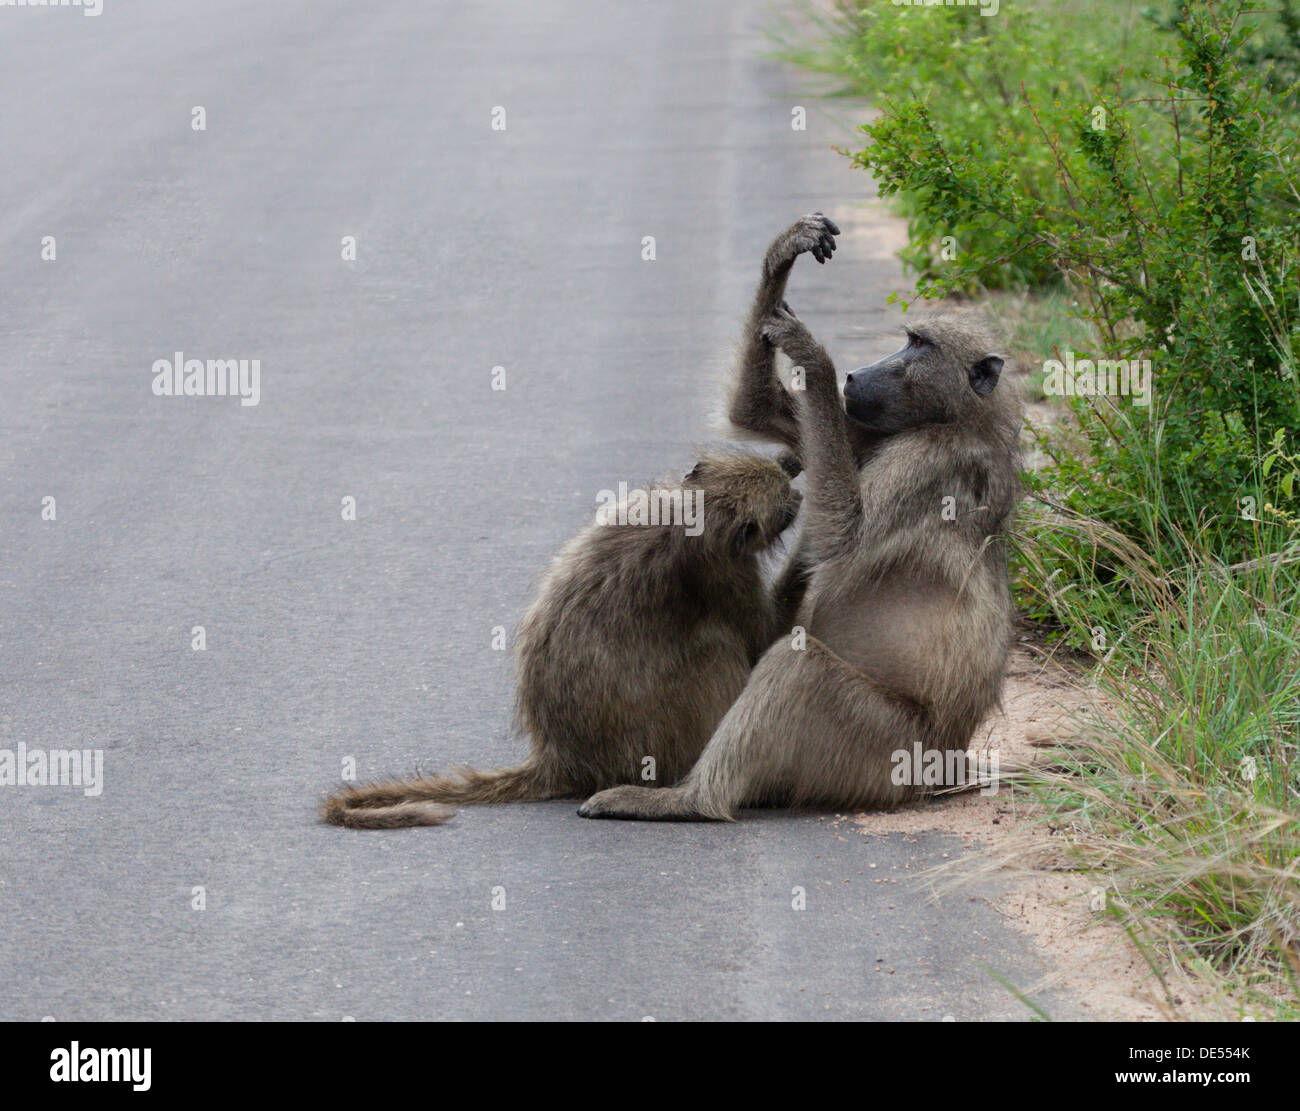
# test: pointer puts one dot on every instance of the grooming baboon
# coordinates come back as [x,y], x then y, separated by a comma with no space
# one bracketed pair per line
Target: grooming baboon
[900,582]
[638,640]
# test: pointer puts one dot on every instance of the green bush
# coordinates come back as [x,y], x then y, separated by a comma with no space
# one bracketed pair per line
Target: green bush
[1168,215]
[975,77]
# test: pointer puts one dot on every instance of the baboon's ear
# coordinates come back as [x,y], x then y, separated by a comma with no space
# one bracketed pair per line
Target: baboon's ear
[693,475]
[790,463]
[744,536]
[984,374]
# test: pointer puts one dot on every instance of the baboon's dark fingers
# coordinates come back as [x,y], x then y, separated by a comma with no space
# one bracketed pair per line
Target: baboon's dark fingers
[828,223]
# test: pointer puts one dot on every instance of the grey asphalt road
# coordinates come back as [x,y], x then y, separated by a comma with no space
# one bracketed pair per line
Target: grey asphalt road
[372,639]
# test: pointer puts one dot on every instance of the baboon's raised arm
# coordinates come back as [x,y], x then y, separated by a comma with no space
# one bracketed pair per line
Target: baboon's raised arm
[760,403]
[833,510]
[833,504]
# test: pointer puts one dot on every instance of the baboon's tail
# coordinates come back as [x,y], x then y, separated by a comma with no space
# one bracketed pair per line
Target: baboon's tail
[430,800]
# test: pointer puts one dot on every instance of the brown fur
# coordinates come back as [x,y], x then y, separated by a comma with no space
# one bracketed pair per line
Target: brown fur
[906,613]
[638,640]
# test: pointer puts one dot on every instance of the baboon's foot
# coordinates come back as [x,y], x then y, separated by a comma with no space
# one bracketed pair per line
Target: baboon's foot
[645,804]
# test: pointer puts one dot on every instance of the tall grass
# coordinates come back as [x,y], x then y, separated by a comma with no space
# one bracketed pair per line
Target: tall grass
[1183,797]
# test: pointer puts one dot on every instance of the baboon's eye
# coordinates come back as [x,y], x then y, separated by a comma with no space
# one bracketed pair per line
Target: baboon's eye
[915,339]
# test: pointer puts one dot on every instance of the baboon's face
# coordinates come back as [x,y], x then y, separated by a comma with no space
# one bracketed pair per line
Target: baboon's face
[748,499]
[937,378]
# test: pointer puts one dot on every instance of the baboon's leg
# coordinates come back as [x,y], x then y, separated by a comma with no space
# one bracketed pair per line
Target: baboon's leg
[759,402]
[808,729]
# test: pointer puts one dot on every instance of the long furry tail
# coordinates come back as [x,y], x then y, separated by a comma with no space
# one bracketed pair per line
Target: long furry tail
[430,800]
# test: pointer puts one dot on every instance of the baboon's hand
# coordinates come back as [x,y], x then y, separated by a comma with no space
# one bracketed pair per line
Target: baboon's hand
[774,326]
[788,334]
[814,233]
[782,329]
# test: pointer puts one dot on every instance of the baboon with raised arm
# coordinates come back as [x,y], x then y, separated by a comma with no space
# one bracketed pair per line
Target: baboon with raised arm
[901,600]
[639,639]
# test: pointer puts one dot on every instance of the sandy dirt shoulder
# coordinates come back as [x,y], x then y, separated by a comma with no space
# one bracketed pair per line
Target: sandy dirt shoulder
[1093,960]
